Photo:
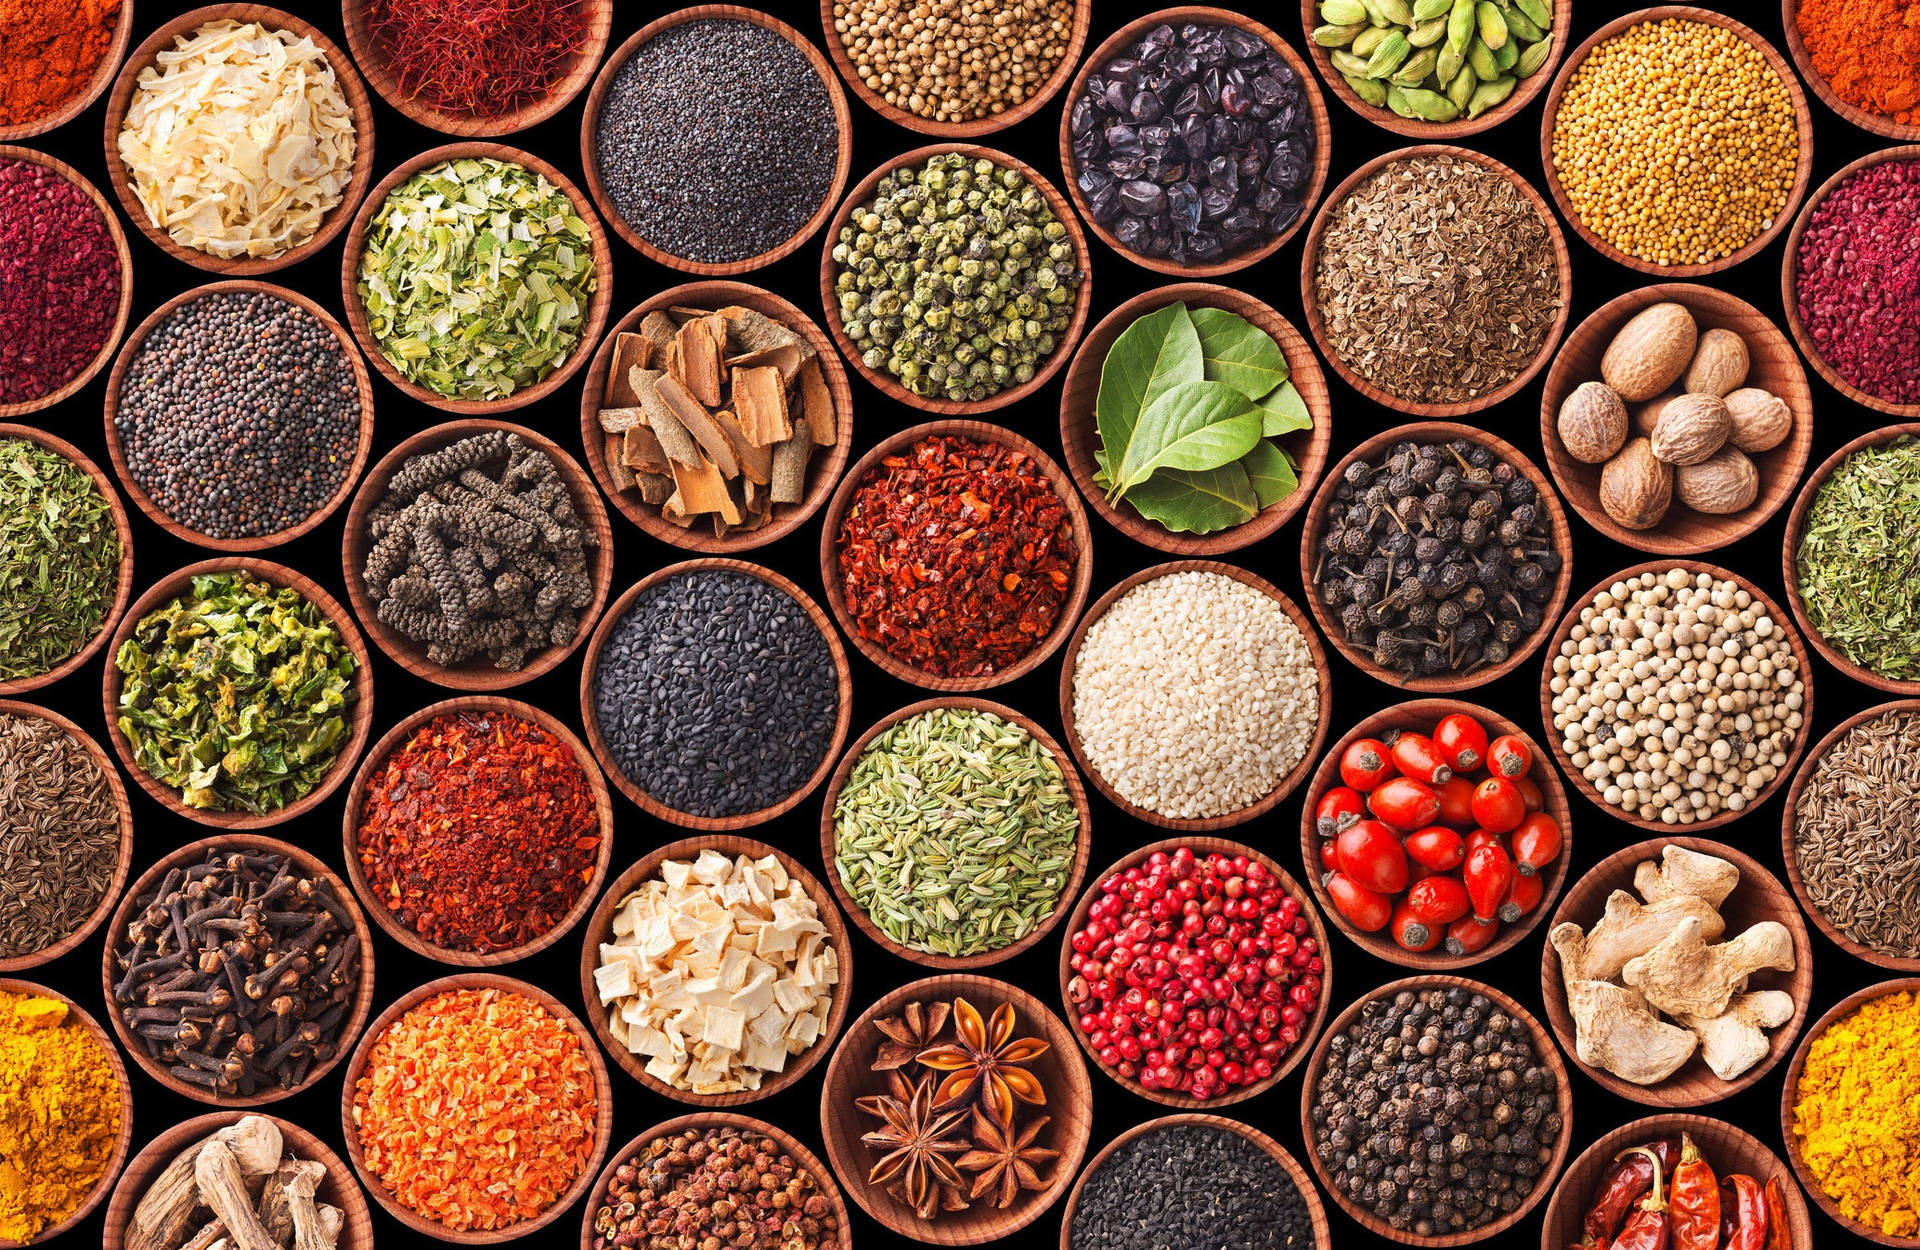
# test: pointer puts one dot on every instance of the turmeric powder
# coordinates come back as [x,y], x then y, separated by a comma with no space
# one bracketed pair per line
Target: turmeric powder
[1868,51]
[59,1114]
[1856,1114]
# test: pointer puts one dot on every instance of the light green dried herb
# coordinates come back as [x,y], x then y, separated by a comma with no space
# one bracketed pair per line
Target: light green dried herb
[1859,560]
[59,559]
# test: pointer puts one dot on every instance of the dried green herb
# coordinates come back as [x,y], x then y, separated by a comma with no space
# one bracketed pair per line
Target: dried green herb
[59,559]
[1859,560]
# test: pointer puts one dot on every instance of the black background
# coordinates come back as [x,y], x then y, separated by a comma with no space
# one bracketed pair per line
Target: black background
[1354,140]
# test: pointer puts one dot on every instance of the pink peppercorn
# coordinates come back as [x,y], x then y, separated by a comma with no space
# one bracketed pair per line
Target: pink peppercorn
[1857,280]
[59,281]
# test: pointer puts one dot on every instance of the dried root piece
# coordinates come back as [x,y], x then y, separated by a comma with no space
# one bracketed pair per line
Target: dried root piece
[1615,1030]
[1685,975]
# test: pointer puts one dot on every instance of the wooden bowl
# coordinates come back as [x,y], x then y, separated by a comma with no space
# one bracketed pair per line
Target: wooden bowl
[1076,41]
[829,841]
[1420,716]
[704,1120]
[1316,1210]
[603,1110]
[371,57]
[1759,896]
[337,1188]
[308,864]
[359,715]
[597,304]
[1069,1103]
[116,446]
[1559,536]
[121,596]
[119,237]
[122,867]
[842,503]
[1295,775]
[1775,368]
[822,473]
[119,1156]
[597,98]
[885,382]
[1691,13]
[1726,1147]
[1885,127]
[599,929]
[351,89]
[1116,45]
[1549,1058]
[1080,435]
[83,99]
[1317,323]
[1200,846]
[475,673]
[1555,741]
[376,760]
[603,753]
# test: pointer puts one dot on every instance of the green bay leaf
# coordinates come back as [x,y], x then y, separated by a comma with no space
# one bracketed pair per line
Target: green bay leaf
[1270,469]
[1197,503]
[1238,352]
[1283,411]
[1152,356]
[1195,426]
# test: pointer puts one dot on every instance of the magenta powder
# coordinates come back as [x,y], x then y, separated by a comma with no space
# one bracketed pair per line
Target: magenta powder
[1857,280]
[59,281]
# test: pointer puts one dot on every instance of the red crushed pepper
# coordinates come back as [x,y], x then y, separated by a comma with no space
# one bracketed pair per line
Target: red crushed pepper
[479,832]
[956,556]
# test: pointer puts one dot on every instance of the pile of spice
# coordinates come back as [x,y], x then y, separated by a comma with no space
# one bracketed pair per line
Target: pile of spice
[476,1109]
[1437,559]
[53,52]
[1856,834]
[62,276]
[1194,145]
[1867,51]
[1195,975]
[1435,60]
[1858,566]
[1677,696]
[239,140]
[1436,280]
[1856,1114]
[479,550]
[479,832]
[1698,177]
[716,140]
[955,832]
[954,61]
[59,559]
[239,416]
[1665,1192]
[1190,1185]
[719,970]
[715,413]
[1194,649]
[59,834]
[476,276]
[957,557]
[1856,278]
[956,278]
[1436,1111]
[59,1114]
[716,693]
[1190,400]
[238,693]
[721,1186]
[478,58]
[242,1186]
[962,1121]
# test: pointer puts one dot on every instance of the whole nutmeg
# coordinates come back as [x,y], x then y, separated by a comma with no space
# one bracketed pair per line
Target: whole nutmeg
[1643,417]
[1761,419]
[1724,482]
[1691,428]
[1592,423]
[1635,487]
[1719,365]
[1650,352]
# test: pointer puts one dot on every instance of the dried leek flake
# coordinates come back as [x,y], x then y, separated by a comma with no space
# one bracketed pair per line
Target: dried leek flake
[476,278]
[238,140]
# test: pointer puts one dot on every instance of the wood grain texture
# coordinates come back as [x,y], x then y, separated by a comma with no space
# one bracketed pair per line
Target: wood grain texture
[82,100]
[359,714]
[1069,1106]
[599,930]
[351,89]
[1874,123]
[843,718]
[1803,122]
[1310,1029]
[829,844]
[1549,1058]
[1758,897]
[306,864]
[1080,433]
[823,472]
[1317,323]
[1420,716]
[1564,631]
[884,382]
[590,133]
[1116,45]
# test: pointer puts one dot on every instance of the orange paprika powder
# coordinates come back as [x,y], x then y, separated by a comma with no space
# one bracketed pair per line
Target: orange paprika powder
[49,50]
[1868,51]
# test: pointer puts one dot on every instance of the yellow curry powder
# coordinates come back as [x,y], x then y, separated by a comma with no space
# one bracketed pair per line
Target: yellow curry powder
[59,1114]
[1856,1114]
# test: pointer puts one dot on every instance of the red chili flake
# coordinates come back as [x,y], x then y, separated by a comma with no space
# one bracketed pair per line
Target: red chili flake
[957,556]
[480,832]
[59,281]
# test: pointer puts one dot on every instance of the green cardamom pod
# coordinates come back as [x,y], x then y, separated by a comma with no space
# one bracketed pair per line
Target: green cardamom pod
[1386,58]
[1372,90]
[1490,95]
[1539,12]
[1447,67]
[1397,101]
[1367,40]
[1493,27]
[1347,63]
[1521,26]
[1338,36]
[1396,11]
[1342,12]
[1427,10]
[1481,58]
[1533,58]
[1460,86]
[1426,34]
[1414,70]
[1507,55]
[1460,24]
[1429,105]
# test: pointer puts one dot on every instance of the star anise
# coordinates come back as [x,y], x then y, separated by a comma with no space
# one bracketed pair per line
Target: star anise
[987,1061]
[1005,1162]
[916,1140]
[917,1027]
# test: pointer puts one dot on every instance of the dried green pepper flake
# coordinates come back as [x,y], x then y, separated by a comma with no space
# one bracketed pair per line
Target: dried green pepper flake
[59,559]
[1859,560]
[237,694]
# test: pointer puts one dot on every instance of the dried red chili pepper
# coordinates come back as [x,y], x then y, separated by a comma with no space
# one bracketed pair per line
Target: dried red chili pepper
[1779,1227]
[1695,1200]
[1625,1182]
[1750,1220]
[1648,1228]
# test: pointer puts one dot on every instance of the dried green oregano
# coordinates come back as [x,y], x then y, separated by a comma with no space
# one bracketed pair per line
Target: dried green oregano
[1859,560]
[59,559]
